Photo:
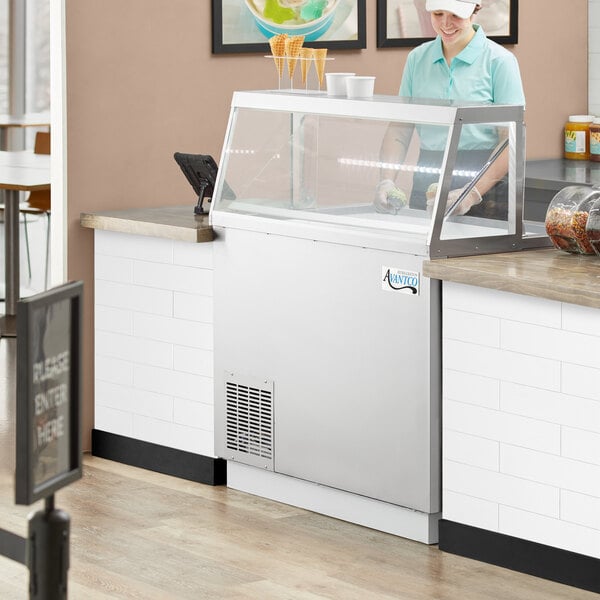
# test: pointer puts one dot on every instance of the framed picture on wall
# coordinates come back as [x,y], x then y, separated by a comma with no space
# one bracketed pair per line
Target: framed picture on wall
[247,25]
[407,23]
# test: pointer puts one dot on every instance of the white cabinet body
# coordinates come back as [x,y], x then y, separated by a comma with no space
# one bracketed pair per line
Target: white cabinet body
[521,417]
[154,340]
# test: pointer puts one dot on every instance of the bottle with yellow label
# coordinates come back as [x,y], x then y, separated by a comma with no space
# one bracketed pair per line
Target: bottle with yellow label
[595,140]
[577,137]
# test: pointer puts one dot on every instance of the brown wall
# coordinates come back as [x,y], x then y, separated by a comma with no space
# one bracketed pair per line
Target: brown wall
[142,83]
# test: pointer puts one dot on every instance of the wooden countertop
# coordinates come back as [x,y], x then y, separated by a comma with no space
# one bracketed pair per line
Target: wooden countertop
[174,222]
[546,273]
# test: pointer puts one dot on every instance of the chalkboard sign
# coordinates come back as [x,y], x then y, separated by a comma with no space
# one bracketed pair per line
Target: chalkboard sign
[48,392]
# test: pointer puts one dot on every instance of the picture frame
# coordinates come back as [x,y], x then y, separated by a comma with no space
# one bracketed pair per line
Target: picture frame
[237,27]
[406,23]
[48,423]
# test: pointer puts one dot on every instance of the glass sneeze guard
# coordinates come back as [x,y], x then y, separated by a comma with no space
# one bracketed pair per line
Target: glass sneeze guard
[319,161]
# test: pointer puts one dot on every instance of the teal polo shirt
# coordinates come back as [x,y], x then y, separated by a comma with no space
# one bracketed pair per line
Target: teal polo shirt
[483,72]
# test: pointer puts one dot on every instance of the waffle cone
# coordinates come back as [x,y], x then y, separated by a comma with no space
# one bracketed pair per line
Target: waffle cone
[320,56]
[277,44]
[293,45]
[306,55]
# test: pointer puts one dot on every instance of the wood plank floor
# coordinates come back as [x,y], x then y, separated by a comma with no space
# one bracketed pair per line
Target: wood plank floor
[145,536]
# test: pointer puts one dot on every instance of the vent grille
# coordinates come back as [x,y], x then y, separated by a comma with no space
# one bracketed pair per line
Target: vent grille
[250,419]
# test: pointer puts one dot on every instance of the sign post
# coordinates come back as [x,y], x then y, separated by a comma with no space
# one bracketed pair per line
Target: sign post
[48,433]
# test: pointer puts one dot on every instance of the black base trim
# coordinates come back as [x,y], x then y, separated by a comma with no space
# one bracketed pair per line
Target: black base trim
[169,461]
[521,555]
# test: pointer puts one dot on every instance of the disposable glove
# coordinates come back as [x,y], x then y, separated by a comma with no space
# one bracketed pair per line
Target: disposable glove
[470,200]
[389,198]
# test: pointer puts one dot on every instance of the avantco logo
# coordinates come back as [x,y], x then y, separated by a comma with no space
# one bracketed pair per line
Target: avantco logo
[397,280]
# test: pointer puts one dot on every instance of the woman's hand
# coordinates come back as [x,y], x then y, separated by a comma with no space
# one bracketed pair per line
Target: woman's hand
[470,200]
[389,198]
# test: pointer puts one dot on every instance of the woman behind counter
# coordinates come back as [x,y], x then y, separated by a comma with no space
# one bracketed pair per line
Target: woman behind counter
[460,64]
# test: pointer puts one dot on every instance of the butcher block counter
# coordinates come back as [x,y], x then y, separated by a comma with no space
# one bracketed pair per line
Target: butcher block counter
[546,273]
[173,222]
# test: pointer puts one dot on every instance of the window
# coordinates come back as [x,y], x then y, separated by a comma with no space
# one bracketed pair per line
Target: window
[24,63]
[4,56]
[37,55]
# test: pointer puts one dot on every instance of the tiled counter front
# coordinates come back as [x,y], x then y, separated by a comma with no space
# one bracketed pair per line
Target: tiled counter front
[154,344]
[521,417]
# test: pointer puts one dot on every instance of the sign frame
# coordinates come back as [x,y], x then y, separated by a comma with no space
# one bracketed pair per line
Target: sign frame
[385,9]
[27,491]
[221,45]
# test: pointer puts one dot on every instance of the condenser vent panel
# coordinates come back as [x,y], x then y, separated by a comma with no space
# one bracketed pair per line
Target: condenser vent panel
[249,420]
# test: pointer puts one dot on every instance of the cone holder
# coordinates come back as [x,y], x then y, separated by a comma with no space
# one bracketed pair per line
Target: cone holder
[311,73]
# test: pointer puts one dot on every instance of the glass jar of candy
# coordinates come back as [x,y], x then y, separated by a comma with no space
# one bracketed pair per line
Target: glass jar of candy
[567,218]
[592,227]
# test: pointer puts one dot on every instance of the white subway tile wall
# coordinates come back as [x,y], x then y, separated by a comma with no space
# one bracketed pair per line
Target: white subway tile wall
[474,511]
[521,417]
[594,57]
[154,340]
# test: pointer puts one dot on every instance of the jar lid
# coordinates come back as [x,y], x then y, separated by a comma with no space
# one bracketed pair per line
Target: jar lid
[581,118]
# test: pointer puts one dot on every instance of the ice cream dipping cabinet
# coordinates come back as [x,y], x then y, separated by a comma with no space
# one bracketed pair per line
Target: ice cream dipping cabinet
[327,336]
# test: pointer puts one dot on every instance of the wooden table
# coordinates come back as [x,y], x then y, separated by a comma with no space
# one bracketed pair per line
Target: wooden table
[19,171]
[27,120]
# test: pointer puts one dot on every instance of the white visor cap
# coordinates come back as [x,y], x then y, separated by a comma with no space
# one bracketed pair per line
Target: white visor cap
[460,8]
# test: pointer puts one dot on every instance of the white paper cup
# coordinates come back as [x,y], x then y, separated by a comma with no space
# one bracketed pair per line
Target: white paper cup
[336,83]
[360,86]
